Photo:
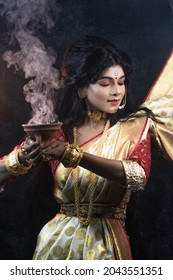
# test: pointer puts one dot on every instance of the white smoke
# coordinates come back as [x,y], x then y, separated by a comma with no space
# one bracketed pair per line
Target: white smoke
[33,58]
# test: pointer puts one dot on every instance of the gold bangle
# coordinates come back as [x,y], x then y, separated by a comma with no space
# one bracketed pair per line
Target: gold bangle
[72,155]
[13,165]
[135,175]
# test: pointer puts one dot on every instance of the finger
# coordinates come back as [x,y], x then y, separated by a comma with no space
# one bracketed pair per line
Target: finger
[29,141]
[34,156]
[35,152]
[25,152]
[37,159]
[29,148]
[51,146]
[38,138]
[23,158]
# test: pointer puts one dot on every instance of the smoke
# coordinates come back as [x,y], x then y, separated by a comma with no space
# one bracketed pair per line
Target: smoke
[25,18]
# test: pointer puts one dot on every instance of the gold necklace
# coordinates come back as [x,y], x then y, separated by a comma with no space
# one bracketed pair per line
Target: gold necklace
[96,116]
[85,221]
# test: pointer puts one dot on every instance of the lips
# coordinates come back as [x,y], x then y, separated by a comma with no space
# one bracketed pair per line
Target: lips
[114,101]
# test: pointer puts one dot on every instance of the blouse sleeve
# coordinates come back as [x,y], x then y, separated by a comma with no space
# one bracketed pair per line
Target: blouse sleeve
[133,149]
[137,167]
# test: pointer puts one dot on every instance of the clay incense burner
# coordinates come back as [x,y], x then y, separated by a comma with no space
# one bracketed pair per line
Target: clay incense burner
[43,133]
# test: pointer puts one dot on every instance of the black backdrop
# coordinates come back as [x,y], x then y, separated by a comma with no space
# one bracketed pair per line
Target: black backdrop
[144,29]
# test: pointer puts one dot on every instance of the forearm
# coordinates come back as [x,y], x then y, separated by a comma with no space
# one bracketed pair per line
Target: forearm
[129,174]
[11,166]
[5,176]
[110,169]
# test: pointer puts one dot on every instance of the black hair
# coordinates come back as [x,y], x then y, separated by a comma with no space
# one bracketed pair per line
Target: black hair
[83,63]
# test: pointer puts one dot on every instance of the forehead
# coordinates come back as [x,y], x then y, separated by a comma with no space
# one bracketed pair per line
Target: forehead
[113,71]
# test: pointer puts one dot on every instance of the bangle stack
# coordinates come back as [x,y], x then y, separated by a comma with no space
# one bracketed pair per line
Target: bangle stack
[72,155]
[14,167]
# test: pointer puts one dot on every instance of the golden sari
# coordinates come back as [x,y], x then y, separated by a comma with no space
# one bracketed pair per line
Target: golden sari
[64,237]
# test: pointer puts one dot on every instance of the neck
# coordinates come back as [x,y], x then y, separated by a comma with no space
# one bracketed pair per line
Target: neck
[96,126]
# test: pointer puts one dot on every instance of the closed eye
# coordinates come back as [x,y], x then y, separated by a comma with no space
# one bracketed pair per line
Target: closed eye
[104,85]
[104,82]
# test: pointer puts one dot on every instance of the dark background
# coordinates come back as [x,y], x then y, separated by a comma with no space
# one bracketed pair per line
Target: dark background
[144,29]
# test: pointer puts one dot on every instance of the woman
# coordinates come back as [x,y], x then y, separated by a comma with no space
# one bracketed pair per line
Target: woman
[98,158]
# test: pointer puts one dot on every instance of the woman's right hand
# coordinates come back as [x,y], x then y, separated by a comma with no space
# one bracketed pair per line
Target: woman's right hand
[30,152]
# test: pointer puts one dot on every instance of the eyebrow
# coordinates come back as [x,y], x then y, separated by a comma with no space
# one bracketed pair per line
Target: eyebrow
[110,78]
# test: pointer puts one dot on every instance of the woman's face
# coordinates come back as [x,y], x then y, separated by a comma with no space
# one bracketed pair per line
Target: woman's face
[107,93]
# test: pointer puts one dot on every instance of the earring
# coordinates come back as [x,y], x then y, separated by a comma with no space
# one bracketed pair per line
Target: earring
[82,92]
[123,104]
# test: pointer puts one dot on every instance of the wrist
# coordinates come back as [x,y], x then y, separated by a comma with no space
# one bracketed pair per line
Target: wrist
[72,155]
[14,166]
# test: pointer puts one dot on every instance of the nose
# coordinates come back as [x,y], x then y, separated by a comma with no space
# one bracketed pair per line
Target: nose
[116,90]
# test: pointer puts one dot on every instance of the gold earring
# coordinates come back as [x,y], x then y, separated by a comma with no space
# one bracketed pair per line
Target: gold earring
[123,104]
[82,92]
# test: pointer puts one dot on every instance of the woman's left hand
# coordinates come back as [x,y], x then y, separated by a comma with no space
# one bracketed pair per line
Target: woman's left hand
[53,151]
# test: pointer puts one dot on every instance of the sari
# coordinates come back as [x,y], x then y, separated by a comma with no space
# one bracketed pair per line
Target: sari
[105,238]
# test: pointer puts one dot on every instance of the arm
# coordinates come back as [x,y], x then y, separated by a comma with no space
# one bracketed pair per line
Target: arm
[129,173]
[67,154]
[110,169]
[19,161]
[5,176]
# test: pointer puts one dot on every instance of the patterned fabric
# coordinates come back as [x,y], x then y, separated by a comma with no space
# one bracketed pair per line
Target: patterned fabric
[161,130]
[64,237]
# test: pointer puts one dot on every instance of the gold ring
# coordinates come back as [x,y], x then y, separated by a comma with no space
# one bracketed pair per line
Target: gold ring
[47,157]
[23,150]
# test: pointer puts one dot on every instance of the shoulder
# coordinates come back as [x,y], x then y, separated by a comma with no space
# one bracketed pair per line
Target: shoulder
[135,121]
